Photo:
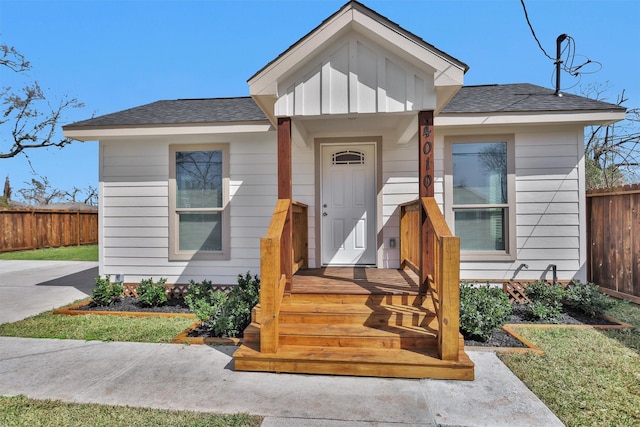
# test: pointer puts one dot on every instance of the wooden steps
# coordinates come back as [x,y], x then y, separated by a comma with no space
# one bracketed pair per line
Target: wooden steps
[371,362]
[331,313]
[363,334]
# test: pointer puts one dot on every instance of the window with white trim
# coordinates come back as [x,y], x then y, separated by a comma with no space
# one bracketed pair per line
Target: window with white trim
[198,202]
[480,199]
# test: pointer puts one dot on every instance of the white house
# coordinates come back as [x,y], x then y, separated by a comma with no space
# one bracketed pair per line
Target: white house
[188,186]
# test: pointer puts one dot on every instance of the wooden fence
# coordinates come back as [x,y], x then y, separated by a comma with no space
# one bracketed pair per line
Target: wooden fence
[613,236]
[22,229]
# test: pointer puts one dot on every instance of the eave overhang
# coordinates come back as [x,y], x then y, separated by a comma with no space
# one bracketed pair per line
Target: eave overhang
[96,133]
[584,118]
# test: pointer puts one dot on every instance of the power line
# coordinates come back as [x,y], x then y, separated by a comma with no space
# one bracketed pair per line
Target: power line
[568,53]
[526,15]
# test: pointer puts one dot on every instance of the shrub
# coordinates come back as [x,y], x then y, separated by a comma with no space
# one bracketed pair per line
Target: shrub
[586,297]
[482,310]
[236,313]
[203,301]
[546,300]
[152,294]
[226,315]
[105,291]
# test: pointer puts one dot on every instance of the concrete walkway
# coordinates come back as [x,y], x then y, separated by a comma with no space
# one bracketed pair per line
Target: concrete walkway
[201,378]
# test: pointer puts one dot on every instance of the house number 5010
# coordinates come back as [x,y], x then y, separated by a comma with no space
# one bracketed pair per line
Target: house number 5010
[426,149]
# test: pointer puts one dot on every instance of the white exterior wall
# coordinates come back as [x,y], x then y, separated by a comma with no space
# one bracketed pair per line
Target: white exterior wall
[134,207]
[399,185]
[550,222]
[550,203]
[304,191]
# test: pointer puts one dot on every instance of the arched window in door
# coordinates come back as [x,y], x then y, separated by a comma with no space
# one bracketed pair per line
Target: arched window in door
[348,157]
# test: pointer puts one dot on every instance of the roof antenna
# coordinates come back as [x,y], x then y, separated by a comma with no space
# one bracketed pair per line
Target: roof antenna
[559,40]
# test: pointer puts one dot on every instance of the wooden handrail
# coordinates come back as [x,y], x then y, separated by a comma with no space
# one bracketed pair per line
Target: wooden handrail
[273,274]
[272,279]
[438,263]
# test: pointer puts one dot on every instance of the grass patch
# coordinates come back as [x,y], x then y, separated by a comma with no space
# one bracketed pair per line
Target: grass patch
[23,411]
[93,327]
[586,377]
[628,313]
[67,253]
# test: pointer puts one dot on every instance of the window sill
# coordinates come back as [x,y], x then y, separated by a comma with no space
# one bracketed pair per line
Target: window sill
[486,256]
[199,256]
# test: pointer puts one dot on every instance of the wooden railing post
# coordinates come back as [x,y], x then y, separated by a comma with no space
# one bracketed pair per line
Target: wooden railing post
[426,162]
[441,266]
[272,278]
[449,319]
[285,191]
[269,279]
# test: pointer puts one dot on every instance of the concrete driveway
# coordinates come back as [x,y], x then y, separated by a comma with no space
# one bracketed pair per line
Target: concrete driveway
[28,288]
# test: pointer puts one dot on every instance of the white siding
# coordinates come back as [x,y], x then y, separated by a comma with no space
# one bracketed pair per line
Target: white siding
[134,203]
[399,185]
[304,191]
[549,204]
[135,207]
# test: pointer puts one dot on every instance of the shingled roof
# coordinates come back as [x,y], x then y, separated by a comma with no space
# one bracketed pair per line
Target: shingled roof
[515,98]
[520,98]
[180,112]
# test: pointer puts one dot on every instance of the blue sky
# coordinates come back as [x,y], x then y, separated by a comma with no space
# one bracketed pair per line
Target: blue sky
[117,54]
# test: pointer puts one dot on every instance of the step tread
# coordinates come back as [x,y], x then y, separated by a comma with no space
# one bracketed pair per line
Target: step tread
[353,355]
[355,298]
[351,308]
[353,330]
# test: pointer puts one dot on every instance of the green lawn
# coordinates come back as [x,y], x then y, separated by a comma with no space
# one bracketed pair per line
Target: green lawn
[68,253]
[22,411]
[98,328]
[586,377]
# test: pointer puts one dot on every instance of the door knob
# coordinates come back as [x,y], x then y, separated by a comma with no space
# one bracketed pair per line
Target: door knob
[324,214]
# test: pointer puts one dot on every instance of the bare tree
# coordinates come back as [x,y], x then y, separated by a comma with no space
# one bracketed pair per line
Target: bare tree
[7,189]
[29,119]
[612,151]
[40,193]
[88,196]
[13,60]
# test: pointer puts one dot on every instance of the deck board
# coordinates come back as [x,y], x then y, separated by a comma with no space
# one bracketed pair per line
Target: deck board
[355,281]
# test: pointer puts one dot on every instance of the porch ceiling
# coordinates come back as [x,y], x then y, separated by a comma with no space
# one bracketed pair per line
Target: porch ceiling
[402,127]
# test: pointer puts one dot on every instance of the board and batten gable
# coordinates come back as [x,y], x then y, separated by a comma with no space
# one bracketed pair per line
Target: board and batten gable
[134,206]
[355,76]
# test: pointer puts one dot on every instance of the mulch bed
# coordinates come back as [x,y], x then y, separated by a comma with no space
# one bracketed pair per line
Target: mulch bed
[499,338]
[131,304]
[203,331]
[520,315]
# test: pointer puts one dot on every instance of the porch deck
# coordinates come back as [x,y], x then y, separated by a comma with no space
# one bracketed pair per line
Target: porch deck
[355,280]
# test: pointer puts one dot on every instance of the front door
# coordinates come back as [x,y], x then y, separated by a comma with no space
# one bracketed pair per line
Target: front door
[348,204]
